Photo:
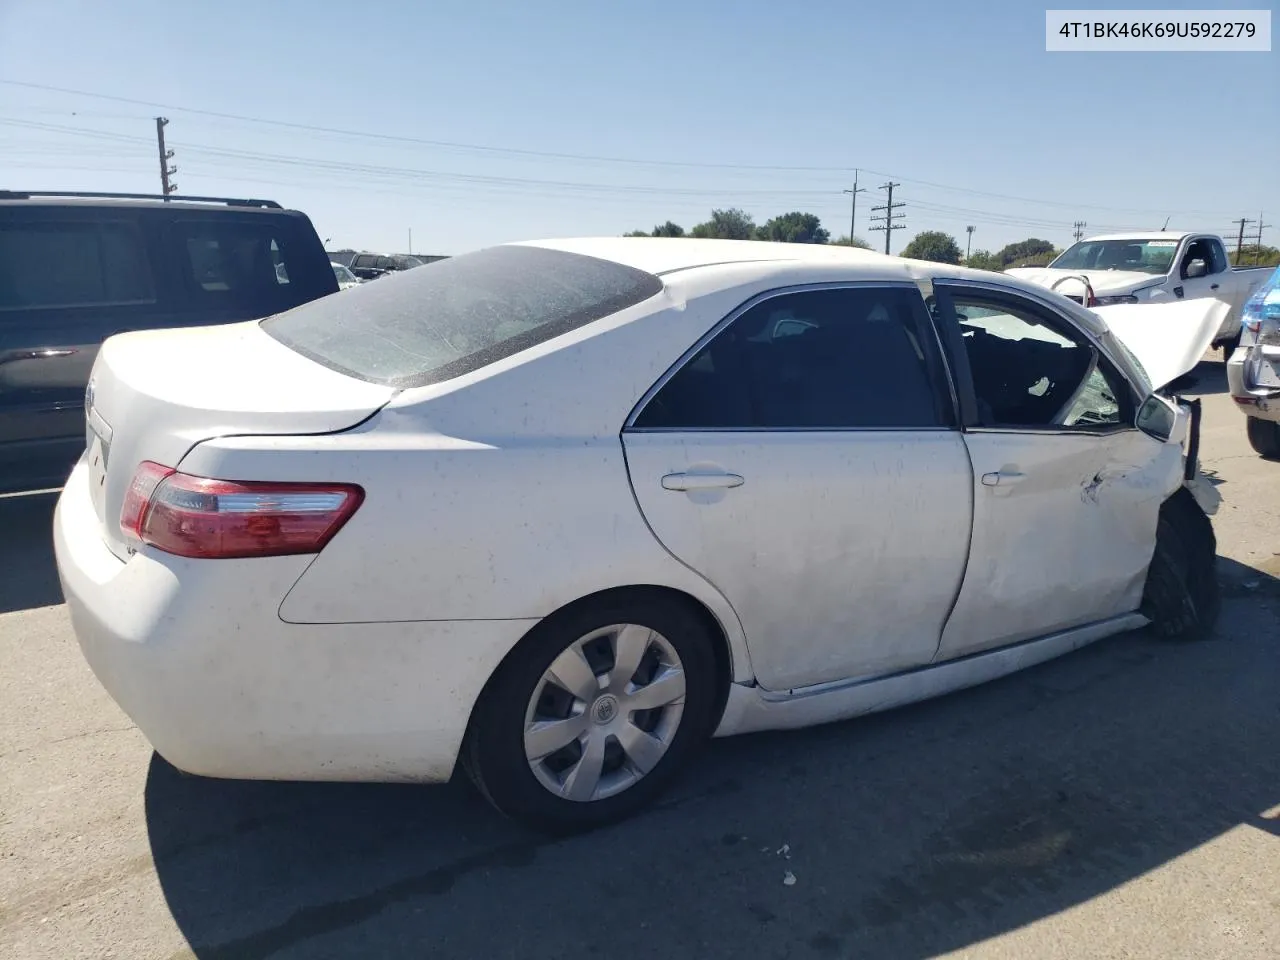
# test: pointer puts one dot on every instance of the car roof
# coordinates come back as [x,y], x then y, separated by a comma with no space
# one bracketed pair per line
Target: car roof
[65,202]
[1146,235]
[662,255]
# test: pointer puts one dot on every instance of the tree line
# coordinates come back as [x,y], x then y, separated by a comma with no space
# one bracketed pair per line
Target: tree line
[800,227]
[935,245]
[735,224]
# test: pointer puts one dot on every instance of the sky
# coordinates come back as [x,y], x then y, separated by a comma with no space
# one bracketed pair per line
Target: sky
[468,124]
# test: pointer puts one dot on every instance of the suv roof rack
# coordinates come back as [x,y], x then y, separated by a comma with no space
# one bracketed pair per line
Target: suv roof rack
[229,201]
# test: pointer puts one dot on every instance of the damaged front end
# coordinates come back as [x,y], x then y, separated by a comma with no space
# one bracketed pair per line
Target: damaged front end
[1165,342]
[1176,419]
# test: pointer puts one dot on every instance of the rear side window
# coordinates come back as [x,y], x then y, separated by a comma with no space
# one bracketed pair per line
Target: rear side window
[260,266]
[838,359]
[50,264]
[450,317]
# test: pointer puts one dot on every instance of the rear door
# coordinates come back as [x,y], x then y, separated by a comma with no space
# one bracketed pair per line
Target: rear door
[68,279]
[1066,491]
[805,460]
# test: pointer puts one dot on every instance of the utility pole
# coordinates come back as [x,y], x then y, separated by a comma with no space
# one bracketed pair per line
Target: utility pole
[166,171]
[1240,236]
[411,241]
[1257,249]
[889,220]
[1079,234]
[853,205]
[968,243]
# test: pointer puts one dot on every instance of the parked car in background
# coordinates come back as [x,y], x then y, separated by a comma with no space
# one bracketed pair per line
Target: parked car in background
[371,266]
[1253,371]
[346,279]
[564,510]
[1152,267]
[77,268]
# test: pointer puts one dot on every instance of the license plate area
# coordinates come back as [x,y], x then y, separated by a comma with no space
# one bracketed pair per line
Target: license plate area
[1267,374]
[98,451]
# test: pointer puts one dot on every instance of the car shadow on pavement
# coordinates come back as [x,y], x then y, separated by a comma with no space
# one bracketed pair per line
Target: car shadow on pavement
[1205,378]
[906,834]
[28,575]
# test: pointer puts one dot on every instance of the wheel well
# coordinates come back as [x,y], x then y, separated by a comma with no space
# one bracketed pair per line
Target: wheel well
[719,644]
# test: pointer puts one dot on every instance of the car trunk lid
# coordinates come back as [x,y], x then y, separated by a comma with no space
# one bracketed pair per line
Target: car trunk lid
[153,395]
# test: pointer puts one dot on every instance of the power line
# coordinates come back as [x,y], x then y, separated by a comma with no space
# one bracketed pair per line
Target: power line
[519,152]
[889,220]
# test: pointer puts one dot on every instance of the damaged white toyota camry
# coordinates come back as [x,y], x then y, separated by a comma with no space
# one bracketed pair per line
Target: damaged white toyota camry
[561,511]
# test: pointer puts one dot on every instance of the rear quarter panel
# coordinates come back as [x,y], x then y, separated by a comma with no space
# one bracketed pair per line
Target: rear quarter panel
[501,495]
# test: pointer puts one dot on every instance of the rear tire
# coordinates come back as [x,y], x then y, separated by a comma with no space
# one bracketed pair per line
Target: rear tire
[1181,596]
[1264,437]
[630,753]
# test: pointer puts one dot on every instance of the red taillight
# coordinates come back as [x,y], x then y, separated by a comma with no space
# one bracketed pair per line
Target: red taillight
[208,519]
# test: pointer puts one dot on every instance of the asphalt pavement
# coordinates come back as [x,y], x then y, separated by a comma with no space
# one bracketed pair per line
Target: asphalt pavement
[1123,801]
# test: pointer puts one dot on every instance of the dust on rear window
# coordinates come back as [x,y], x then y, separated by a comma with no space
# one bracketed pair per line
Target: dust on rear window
[453,316]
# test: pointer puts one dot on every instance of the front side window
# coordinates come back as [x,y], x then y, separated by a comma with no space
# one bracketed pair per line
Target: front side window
[849,358]
[72,264]
[1031,370]
[1202,250]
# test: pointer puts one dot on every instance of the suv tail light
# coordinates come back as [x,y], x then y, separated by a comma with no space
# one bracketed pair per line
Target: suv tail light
[220,519]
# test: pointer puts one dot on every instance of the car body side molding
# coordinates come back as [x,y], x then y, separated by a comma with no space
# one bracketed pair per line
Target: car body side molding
[751,708]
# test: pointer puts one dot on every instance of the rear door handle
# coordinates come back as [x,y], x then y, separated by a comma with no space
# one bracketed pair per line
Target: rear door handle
[1213,286]
[701,481]
[1001,478]
[38,353]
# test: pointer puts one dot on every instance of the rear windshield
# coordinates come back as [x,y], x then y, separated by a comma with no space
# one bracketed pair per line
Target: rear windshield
[450,317]
[259,266]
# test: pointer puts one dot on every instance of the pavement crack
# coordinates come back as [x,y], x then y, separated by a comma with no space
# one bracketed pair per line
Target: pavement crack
[319,919]
[75,736]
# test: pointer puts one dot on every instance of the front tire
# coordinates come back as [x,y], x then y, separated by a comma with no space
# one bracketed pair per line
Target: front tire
[1181,596]
[1264,437]
[595,713]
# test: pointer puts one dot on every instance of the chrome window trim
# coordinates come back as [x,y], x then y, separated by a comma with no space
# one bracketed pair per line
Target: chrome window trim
[754,301]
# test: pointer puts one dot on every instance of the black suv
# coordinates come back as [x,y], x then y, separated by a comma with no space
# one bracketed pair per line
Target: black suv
[76,268]
[371,266]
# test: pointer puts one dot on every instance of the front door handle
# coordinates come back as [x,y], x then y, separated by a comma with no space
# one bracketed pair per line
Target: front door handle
[1001,478]
[701,481]
[39,353]
[1213,286]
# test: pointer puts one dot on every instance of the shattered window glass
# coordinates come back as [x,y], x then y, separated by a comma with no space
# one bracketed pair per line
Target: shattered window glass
[1029,372]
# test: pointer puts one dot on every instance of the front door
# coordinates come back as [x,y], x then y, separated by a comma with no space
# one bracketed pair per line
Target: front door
[1066,491]
[806,463]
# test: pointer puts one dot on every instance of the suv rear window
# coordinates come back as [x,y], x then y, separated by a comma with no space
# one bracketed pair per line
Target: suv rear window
[261,265]
[451,317]
[48,264]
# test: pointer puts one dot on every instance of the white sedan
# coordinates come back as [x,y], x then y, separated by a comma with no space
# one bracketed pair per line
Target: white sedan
[564,510]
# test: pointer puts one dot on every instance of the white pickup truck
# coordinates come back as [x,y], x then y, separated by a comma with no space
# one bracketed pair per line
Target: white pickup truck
[1152,267]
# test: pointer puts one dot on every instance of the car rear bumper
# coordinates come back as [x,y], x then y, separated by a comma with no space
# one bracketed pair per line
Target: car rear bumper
[1255,389]
[196,654]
